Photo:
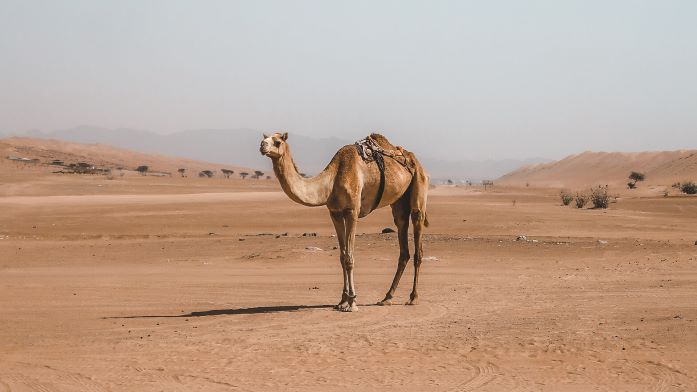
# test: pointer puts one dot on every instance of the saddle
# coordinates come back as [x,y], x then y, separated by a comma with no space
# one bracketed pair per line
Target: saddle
[371,151]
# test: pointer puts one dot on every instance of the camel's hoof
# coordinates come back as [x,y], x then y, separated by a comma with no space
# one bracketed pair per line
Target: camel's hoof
[413,301]
[385,302]
[350,308]
[340,305]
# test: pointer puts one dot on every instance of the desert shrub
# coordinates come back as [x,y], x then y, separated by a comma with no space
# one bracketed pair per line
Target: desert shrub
[599,197]
[581,200]
[566,197]
[142,169]
[689,188]
[631,185]
[636,176]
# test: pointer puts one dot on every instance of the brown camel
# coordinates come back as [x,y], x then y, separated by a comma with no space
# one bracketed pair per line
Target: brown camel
[350,187]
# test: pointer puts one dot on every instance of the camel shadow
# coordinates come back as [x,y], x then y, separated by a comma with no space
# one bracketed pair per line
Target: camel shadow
[231,312]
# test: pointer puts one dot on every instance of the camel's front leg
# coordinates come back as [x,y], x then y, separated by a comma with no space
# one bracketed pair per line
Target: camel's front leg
[338,220]
[350,222]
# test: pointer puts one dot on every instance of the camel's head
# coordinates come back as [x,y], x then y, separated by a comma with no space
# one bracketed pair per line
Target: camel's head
[274,146]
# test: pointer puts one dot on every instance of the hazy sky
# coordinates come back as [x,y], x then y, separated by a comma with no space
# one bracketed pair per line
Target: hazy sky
[474,79]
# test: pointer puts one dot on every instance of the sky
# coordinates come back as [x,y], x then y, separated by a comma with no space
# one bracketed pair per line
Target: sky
[457,79]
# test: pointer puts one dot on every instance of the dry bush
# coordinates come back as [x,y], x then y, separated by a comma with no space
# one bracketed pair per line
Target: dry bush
[581,200]
[634,178]
[689,188]
[566,197]
[599,197]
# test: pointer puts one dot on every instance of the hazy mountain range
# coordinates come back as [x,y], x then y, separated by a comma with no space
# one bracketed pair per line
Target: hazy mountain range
[240,147]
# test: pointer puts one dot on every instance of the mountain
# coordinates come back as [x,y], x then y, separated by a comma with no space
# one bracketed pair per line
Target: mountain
[461,170]
[600,168]
[240,147]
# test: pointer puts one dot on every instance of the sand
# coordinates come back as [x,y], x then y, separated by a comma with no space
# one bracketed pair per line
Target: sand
[662,169]
[171,284]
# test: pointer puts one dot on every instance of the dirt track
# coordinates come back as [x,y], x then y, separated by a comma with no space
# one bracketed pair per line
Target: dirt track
[176,290]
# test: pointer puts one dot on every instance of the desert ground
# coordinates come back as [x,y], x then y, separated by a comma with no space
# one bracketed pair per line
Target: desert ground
[140,283]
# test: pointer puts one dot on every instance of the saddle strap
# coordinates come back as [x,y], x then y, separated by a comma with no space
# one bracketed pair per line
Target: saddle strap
[381,189]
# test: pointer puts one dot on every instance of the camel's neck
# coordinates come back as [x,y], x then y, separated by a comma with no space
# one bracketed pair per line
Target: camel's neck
[307,191]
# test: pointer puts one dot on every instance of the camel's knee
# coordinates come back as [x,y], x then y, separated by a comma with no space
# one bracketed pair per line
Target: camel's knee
[418,256]
[418,217]
[347,260]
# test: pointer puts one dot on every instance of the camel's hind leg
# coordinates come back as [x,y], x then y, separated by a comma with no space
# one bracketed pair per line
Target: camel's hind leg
[418,199]
[417,219]
[400,212]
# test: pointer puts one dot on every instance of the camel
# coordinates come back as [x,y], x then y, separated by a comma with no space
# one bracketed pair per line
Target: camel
[352,188]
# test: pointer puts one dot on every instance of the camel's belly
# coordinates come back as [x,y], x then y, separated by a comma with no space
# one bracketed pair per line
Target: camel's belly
[397,181]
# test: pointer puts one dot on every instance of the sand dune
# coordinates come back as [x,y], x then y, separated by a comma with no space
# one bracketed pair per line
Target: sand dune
[595,168]
[47,150]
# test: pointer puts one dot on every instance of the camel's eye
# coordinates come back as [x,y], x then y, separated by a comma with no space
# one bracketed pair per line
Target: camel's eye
[277,143]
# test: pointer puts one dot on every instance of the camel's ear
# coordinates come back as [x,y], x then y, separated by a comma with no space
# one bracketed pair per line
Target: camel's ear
[266,136]
[284,137]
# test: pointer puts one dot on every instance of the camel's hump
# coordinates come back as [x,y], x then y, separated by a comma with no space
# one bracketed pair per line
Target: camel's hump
[382,141]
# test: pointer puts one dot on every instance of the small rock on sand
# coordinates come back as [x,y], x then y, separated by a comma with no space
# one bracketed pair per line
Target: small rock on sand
[602,242]
[309,234]
[313,248]
[521,238]
[430,258]
[387,230]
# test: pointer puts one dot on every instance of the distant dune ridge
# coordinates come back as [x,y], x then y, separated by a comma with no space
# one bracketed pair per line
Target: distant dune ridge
[102,155]
[585,169]
[241,147]
[613,168]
